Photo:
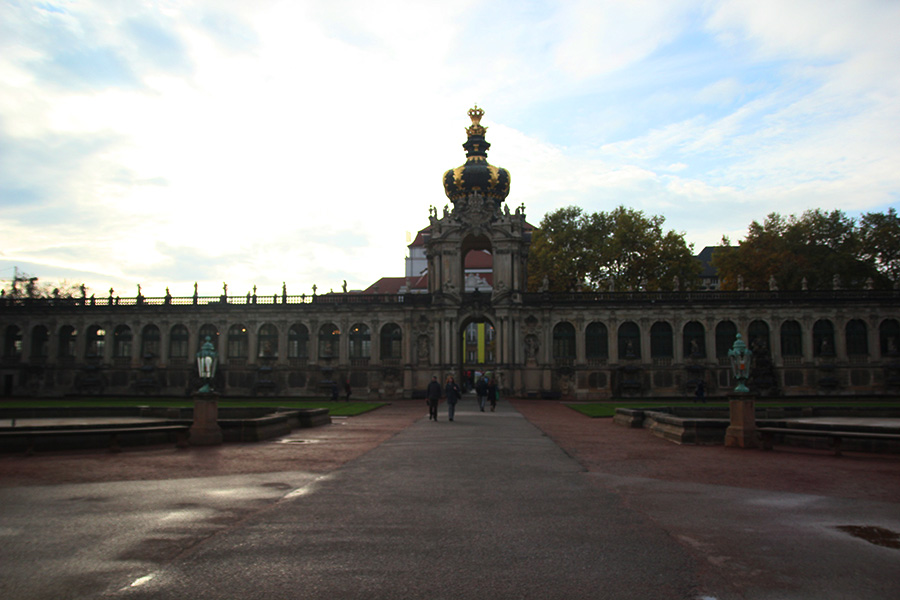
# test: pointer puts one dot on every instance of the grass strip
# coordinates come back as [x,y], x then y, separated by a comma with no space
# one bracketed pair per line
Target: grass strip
[336,409]
[608,409]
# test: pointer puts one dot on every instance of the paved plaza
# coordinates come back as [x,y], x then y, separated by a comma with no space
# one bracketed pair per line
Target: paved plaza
[532,501]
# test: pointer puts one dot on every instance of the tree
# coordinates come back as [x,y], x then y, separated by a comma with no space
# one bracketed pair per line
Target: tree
[624,247]
[25,286]
[880,237]
[816,247]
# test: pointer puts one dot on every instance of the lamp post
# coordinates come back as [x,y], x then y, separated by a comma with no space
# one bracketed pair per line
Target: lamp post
[739,355]
[205,430]
[741,432]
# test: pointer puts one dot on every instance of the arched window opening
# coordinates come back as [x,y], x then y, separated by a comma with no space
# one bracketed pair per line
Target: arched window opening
[629,340]
[208,331]
[694,340]
[267,341]
[122,339]
[564,341]
[889,337]
[726,333]
[478,271]
[150,341]
[329,341]
[12,343]
[96,341]
[178,341]
[478,343]
[391,342]
[857,338]
[596,341]
[67,338]
[40,343]
[237,342]
[823,338]
[758,334]
[661,345]
[791,339]
[298,341]
[360,341]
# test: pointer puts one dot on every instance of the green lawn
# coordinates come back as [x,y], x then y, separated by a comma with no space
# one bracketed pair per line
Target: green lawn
[336,409]
[608,409]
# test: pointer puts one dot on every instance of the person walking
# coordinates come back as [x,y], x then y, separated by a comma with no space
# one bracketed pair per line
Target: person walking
[347,390]
[493,391]
[481,391]
[433,393]
[452,392]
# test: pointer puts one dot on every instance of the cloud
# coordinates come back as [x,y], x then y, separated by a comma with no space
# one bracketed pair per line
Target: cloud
[279,141]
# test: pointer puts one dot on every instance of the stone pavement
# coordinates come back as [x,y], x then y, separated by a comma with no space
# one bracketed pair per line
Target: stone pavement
[553,505]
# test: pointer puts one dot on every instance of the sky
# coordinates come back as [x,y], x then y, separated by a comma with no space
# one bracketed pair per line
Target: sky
[162,143]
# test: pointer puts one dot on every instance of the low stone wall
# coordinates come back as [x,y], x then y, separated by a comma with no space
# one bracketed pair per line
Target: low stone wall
[706,426]
[237,424]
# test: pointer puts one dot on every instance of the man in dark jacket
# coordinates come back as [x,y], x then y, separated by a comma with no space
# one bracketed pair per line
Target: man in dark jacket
[433,393]
[481,390]
[452,391]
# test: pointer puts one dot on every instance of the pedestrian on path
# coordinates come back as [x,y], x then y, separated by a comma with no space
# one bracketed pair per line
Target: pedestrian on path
[452,392]
[433,393]
[347,390]
[481,391]
[493,392]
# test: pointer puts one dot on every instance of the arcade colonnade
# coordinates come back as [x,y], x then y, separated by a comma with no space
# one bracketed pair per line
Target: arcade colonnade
[546,345]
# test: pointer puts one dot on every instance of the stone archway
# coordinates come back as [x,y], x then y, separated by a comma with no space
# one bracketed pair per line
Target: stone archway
[478,348]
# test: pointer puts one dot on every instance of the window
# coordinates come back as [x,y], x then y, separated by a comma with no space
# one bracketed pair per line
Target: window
[40,338]
[596,341]
[96,340]
[267,341]
[791,339]
[889,337]
[661,345]
[564,340]
[629,340]
[391,341]
[122,342]
[823,338]
[178,342]
[360,341]
[67,338]
[329,340]
[237,342]
[857,338]
[694,340]
[759,338]
[208,331]
[12,342]
[298,341]
[150,341]
[726,333]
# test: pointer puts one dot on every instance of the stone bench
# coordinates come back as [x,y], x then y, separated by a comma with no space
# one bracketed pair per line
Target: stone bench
[64,438]
[767,434]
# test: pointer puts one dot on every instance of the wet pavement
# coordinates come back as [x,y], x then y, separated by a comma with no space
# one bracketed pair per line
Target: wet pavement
[534,501]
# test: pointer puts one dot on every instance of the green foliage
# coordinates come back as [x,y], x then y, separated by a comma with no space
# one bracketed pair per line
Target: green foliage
[574,250]
[817,246]
[880,236]
[24,285]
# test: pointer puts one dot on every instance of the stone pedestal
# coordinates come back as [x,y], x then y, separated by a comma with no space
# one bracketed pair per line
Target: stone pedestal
[741,433]
[205,430]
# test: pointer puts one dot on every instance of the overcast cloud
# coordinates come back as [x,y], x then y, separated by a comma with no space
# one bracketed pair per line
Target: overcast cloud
[162,143]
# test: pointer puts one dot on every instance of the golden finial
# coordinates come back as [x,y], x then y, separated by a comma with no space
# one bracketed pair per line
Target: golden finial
[476,128]
[475,114]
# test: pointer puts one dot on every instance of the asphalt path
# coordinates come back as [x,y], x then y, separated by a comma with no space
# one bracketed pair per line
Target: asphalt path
[486,506]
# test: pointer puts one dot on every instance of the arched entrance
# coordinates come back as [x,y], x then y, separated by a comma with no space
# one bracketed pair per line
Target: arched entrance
[478,347]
